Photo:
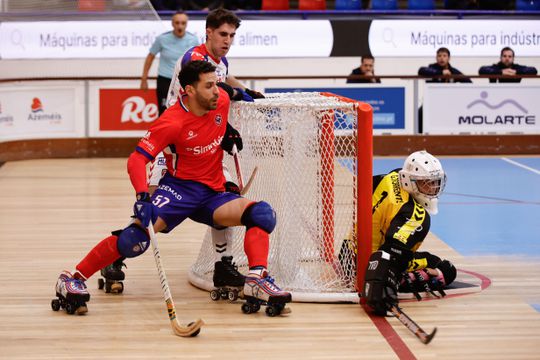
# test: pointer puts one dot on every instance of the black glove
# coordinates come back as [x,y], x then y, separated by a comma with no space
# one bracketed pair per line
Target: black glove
[254,94]
[232,137]
[381,283]
[232,187]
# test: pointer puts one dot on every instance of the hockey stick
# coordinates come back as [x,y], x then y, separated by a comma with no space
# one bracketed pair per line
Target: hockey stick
[193,328]
[424,337]
[250,181]
[238,169]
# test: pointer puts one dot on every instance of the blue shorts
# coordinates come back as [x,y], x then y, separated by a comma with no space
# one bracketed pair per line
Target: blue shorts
[175,200]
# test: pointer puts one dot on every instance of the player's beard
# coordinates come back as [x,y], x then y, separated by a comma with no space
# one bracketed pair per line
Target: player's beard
[207,103]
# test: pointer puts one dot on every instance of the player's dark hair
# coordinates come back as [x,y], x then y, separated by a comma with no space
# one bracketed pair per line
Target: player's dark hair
[506,49]
[218,17]
[366,57]
[191,72]
[443,49]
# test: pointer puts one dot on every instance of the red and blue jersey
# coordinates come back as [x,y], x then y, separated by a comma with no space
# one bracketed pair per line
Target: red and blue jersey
[191,143]
[196,53]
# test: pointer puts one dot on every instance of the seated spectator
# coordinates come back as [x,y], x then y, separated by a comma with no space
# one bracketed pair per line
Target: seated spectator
[507,67]
[442,67]
[367,68]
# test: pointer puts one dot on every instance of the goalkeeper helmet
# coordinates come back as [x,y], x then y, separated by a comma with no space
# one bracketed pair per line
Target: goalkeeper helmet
[423,177]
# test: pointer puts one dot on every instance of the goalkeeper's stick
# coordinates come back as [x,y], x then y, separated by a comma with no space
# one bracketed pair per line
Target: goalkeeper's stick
[193,328]
[424,337]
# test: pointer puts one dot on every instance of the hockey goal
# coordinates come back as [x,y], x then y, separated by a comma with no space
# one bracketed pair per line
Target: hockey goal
[313,153]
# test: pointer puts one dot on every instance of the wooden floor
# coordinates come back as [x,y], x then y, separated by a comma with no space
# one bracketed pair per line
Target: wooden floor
[53,211]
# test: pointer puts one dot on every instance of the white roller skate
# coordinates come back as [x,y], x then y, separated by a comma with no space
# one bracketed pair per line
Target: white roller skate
[113,277]
[71,294]
[261,290]
[229,282]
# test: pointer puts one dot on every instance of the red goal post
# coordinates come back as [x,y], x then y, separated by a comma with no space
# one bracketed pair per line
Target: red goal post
[313,153]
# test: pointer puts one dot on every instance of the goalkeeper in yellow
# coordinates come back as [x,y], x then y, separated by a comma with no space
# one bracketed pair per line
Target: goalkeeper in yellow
[402,203]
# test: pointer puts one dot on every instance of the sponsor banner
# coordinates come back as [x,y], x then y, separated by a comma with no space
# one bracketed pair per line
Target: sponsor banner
[275,38]
[388,103]
[463,37]
[132,39]
[500,108]
[33,112]
[127,109]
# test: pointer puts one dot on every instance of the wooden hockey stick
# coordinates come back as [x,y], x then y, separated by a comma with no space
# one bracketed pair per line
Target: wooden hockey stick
[424,337]
[250,181]
[193,328]
[238,169]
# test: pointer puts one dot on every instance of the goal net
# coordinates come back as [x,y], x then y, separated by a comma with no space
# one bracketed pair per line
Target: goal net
[313,154]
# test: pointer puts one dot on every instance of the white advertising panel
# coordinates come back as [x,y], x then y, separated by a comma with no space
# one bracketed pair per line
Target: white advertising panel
[34,112]
[500,108]
[462,37]
[132,39]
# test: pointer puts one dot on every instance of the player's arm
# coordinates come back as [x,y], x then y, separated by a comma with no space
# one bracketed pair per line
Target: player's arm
[146,68]
[157,170]
[241,91]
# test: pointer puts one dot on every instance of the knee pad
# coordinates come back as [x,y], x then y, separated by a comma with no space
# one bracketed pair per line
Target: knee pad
[260,215]
[132,241]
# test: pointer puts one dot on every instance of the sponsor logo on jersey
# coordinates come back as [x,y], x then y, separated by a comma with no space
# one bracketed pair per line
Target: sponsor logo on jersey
[203,149]
[37,113]
[218,119]
[191,135]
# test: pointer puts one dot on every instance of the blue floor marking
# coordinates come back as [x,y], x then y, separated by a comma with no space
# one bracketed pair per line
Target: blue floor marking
[536,307]
[489,207]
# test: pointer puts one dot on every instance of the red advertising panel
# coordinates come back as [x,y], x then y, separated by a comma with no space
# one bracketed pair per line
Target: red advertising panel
[127,109]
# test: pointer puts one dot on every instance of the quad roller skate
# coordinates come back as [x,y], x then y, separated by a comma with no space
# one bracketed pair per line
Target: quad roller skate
[228,281]
[112,277]
[261,290]
[71,294]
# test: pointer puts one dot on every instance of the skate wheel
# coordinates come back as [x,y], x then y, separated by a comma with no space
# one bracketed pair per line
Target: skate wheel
[233,295]
[117,288]
[246,308]
[107,287]
[100,283]
[196,332]
[214,295]
[224,294]
[70,308]
[255,307]
[272,311]
[55,304]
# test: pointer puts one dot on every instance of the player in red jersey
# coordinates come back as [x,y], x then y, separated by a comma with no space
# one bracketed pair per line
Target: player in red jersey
[195,131]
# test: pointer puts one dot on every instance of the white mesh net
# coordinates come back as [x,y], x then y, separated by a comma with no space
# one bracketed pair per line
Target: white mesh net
[304,147]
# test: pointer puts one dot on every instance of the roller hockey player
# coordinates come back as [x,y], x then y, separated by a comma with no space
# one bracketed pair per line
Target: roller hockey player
[193,186]
[402,203]
[71,294]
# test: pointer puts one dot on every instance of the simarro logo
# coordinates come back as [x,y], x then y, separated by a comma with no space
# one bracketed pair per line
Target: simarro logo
[137,110]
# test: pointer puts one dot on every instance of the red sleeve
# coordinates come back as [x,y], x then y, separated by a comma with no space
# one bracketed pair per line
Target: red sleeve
[136,167]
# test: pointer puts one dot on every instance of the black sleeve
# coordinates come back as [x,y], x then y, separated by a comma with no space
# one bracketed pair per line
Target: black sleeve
[228,88]
[410,226]
[489,70]
[429,71]
[525,70]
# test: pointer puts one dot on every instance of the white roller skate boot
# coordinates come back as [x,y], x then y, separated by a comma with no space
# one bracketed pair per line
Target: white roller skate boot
[260,289]
[229,282]
[71,294]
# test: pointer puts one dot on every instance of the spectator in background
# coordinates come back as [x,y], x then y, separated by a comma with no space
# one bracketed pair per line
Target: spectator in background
[442,67]
[367,68]
[172,45]
[506,66]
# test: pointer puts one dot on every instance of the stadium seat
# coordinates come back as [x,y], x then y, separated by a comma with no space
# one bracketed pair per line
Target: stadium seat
[275,5]
[527,4]
[384,4]
[348,5]
[312,5]
[421,4]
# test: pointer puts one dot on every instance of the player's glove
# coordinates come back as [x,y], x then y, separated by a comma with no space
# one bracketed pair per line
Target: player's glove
[143,208]
[232,187]
[241,95]
[232,137]
[420,281]
[381,283]
[254,94]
